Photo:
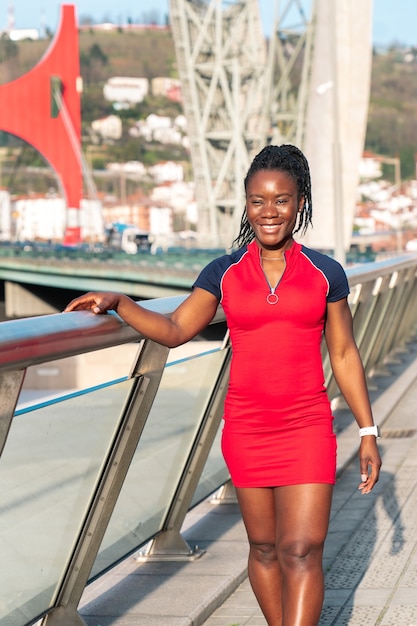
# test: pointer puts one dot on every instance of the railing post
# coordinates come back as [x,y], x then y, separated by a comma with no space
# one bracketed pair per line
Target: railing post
[226,494]
[169,544]
[10,386]
[149,368]
[64,616]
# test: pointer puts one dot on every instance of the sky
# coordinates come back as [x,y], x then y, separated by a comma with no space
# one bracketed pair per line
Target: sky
[393,22]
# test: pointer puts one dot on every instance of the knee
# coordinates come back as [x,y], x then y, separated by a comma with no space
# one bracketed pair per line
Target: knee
[301,554]
[264,553]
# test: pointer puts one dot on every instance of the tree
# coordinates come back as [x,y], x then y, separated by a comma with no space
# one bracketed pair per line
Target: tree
[8,48]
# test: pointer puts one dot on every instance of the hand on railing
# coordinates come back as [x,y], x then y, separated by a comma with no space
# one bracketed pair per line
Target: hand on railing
[96,302]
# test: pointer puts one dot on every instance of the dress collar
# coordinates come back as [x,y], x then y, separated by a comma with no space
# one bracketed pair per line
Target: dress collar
[255,251]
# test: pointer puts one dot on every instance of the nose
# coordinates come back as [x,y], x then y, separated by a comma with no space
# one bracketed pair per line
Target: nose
[270,209]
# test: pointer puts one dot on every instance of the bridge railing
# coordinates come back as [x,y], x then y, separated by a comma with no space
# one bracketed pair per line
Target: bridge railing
[107,439]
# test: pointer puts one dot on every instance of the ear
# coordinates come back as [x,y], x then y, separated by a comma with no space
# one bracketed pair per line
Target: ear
[301,204]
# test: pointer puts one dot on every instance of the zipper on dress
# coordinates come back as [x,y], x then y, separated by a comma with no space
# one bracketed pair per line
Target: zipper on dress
[272,297]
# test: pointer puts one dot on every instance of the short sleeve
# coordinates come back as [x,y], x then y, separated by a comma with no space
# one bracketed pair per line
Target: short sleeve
[338,283]
[338,286]
[210,278]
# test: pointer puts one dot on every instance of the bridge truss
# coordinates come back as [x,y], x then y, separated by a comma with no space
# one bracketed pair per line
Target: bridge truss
[239,94]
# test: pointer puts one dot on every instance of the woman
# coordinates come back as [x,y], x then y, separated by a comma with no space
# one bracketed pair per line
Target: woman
[279,298]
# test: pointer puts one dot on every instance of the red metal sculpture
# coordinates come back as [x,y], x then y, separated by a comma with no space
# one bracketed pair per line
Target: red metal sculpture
[43,108]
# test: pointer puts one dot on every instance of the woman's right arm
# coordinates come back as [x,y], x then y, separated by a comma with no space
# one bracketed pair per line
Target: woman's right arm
[191,317]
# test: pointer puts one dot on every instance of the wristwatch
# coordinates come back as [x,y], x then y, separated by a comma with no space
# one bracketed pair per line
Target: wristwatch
[369,430]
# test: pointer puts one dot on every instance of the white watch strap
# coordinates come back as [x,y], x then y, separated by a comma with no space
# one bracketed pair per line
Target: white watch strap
[369,430]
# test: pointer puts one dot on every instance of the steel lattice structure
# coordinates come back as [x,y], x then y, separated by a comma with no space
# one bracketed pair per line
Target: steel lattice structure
[289,67]
[238,96]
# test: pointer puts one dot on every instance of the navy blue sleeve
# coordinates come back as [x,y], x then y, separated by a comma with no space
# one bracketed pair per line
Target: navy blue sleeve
[334,273]
[210,278]
[338,283]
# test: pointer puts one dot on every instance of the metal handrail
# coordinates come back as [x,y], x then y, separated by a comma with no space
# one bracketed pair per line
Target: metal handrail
[31,341]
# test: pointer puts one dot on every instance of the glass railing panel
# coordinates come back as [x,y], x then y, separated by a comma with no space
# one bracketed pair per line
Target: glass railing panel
[159,460]
[215,472]
[48,472]
[74,373]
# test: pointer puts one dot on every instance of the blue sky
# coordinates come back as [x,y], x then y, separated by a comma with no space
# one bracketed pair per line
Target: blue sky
[393,21]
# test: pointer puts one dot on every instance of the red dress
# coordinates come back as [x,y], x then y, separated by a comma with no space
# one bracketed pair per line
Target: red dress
[277,417]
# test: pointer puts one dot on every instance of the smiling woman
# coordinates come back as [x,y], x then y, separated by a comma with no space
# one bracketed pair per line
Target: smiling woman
[279,298]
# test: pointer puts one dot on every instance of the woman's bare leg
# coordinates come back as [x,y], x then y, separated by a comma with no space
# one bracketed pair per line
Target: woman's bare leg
[258,512]
[286,528]
[303,513]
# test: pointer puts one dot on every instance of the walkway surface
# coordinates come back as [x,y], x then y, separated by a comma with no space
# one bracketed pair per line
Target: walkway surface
[370,554]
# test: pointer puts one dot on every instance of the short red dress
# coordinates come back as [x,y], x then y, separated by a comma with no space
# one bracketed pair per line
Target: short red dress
[278,425]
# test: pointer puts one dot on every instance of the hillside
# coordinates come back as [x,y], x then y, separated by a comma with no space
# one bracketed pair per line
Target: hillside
[137,53]
[392,129]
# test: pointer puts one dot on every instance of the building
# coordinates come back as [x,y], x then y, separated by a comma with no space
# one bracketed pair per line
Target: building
[167,87]
[168,171]
[109,127]
[124,91]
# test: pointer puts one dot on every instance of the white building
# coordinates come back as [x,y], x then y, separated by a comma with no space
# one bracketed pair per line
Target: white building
[44,219]
[126,90]
[178,195]
[160,128]
[181,122]
[39,218]
[167,136]
[109,127]
[134,168]
[168,171]
[370,167]
[20,34]
[160,220]
[155,122]
[5,215]
[167,87]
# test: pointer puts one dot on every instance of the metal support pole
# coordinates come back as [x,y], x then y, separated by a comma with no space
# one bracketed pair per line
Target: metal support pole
[169,544]
[148,369]
[10,386]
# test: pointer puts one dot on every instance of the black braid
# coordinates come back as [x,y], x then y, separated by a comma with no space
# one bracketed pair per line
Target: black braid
[290,159]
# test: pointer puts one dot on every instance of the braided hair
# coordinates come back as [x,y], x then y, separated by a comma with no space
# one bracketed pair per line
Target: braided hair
[285,158]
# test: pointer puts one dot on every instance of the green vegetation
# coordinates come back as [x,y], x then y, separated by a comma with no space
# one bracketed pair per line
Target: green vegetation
[392,129]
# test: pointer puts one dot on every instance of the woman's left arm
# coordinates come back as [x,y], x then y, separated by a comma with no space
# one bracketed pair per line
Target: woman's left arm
[350,377]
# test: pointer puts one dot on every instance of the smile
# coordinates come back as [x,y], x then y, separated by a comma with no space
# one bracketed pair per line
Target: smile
[269,226]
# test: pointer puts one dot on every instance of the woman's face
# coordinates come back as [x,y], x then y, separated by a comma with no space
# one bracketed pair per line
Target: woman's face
[272,205]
